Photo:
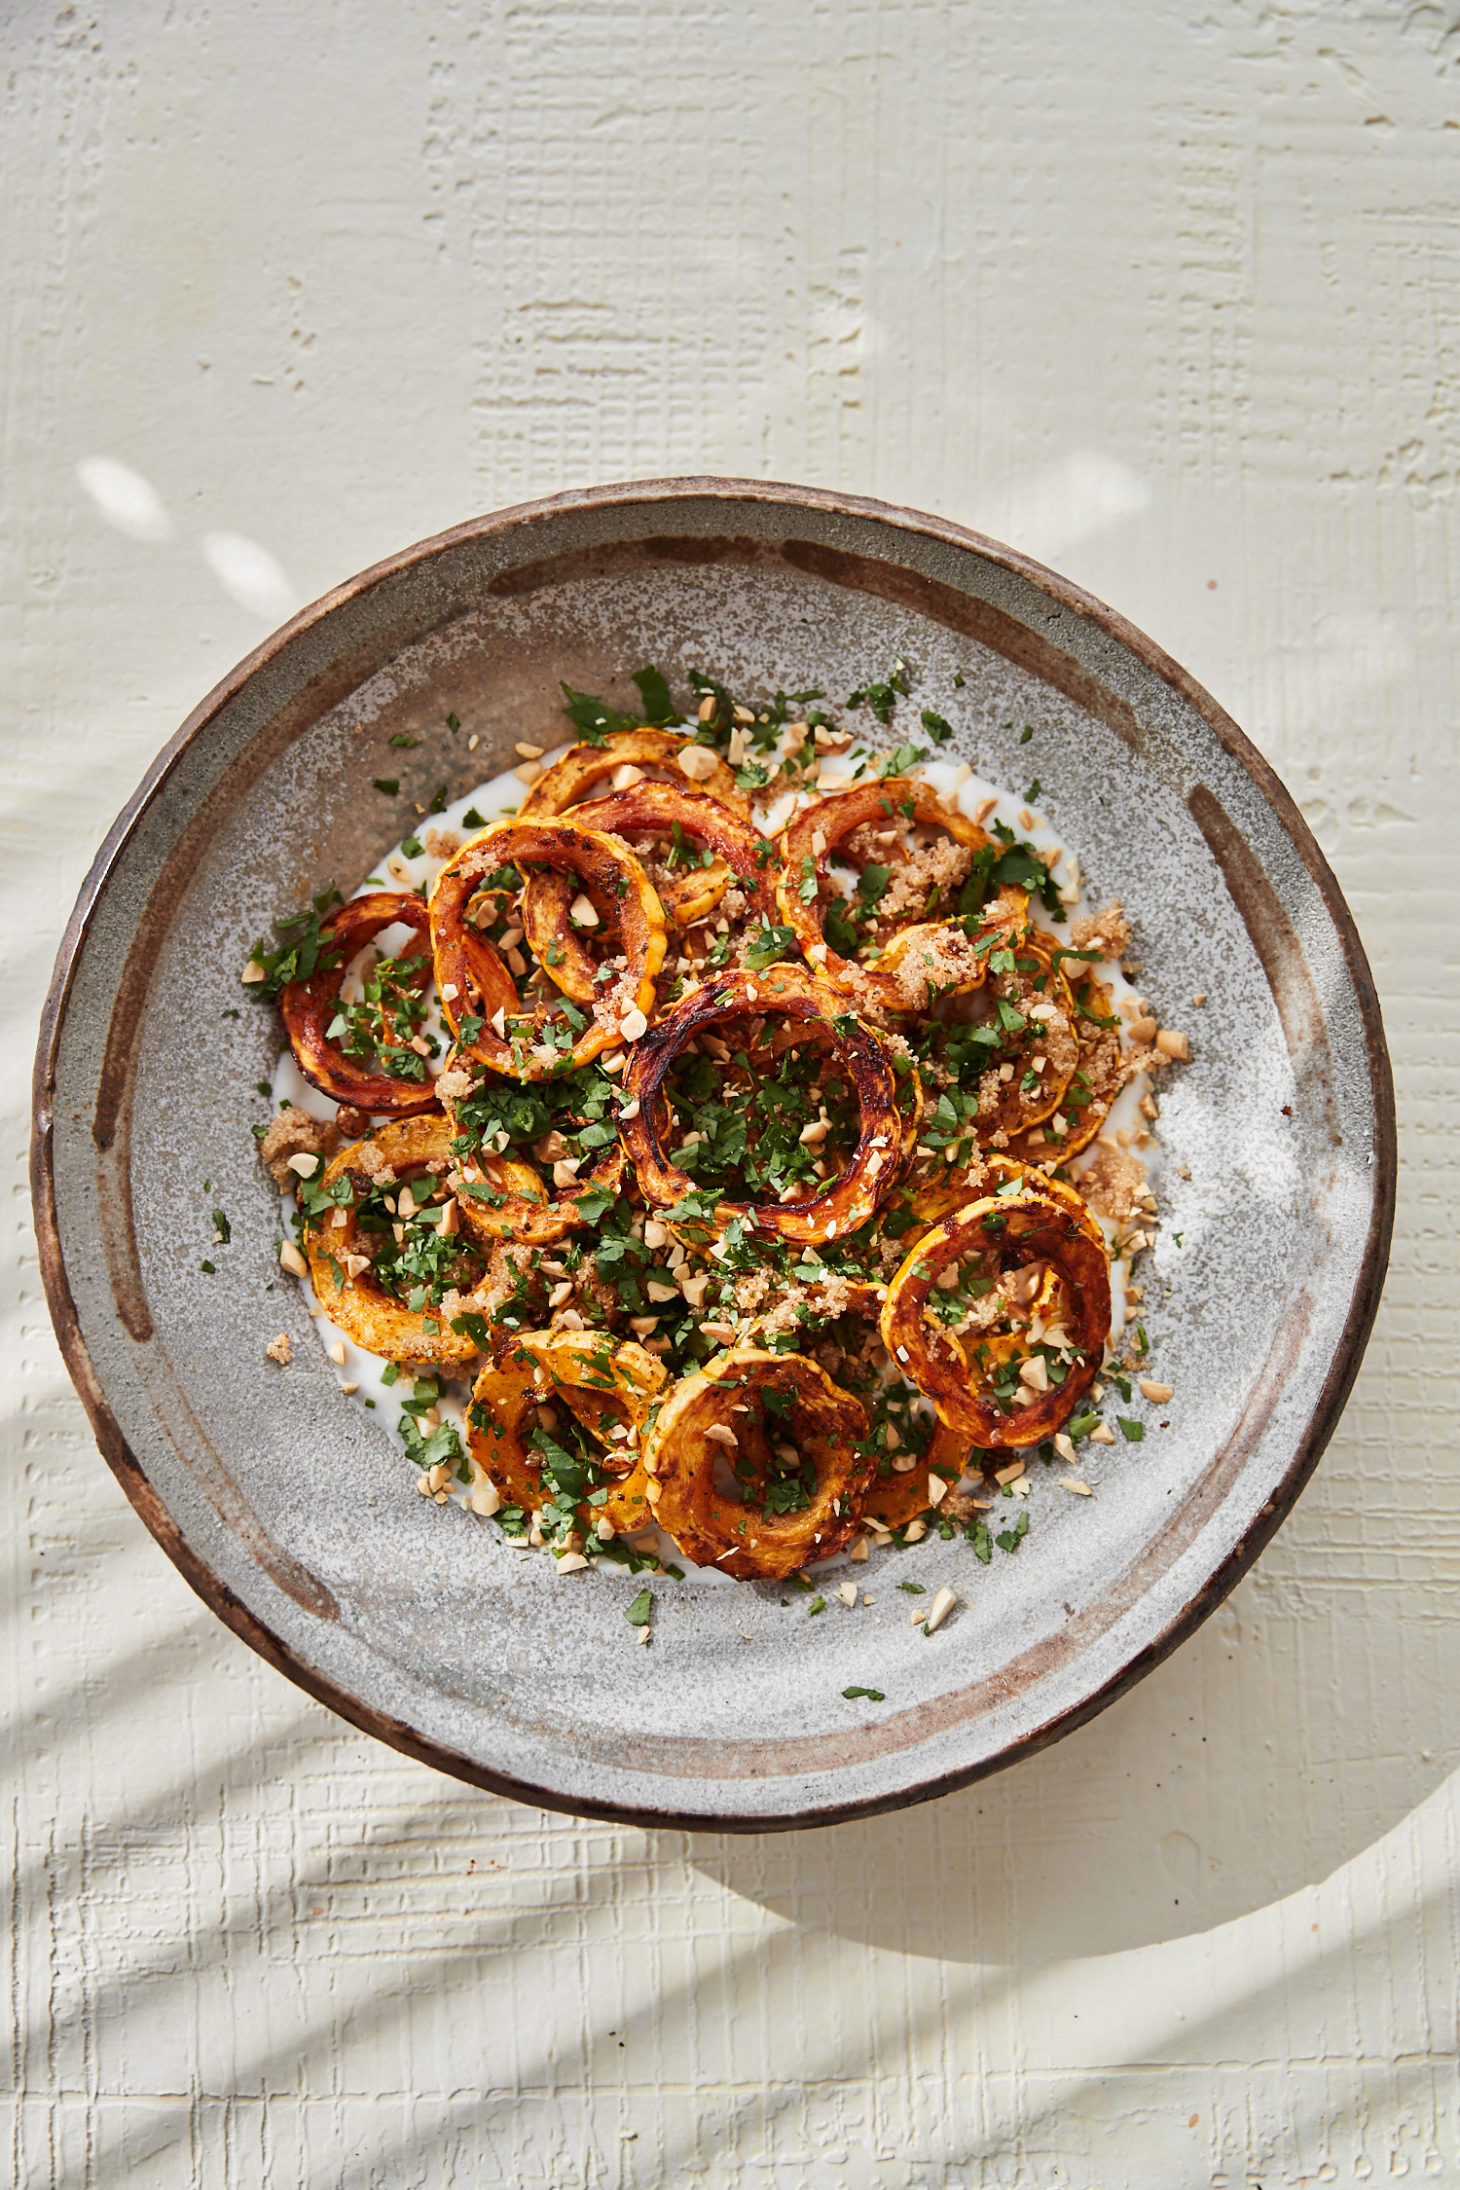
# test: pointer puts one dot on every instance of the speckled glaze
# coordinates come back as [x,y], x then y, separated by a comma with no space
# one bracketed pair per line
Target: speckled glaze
[286,1507]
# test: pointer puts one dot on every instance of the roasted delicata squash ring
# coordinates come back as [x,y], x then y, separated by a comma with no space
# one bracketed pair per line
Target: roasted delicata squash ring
[585,771]
[815,834]
[518,1203]
[1014,1231]
[353,1298]
[720,1420]
[1035,965]
[468,968]
[787,992]
[525,1211]
[1003,1168]
[309,1006]
[740,853]
[606,1386]
[1098,1077]
[940,1198]
[603,1384]
[937,958]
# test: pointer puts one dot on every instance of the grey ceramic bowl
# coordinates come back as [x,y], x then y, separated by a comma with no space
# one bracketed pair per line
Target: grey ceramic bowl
[288,1510]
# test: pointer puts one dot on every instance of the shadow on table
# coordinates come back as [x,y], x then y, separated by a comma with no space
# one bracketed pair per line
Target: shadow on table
[1221,1784]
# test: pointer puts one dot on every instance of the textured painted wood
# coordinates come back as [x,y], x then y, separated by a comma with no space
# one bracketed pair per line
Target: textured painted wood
[1168,296]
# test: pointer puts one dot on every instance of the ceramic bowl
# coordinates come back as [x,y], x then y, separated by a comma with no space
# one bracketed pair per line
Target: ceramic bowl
[289,1510]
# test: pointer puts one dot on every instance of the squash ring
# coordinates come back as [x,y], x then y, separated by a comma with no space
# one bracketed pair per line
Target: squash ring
[1013,1114]
[1031,1228]
[570,780]
[1100,1062]
[833,819]
[527,1211]
[599,1382]
[308,1006]
[680,1458]
[359,1305]
[469,973]
[688,898]
[788,991]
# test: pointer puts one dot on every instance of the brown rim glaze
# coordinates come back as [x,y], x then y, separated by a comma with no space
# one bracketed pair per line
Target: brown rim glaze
[837,559]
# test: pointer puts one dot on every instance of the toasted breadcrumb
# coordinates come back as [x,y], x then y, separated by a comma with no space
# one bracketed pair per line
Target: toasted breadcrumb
[942,865]
[1111,1183]
[1109,930]
[280,1350]
[295,1133]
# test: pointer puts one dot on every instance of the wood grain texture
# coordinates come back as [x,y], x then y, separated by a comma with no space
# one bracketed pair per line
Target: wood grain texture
[1166,296]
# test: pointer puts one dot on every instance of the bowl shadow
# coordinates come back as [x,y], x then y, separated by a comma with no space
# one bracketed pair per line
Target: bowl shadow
[1219,1785]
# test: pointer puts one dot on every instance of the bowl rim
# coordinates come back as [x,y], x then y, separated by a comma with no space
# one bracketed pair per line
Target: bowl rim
[634,494]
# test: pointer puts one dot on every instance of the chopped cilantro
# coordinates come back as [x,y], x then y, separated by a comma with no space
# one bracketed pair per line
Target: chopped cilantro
[1026,733]
[412,847]
[404,743]
[388,786]
[453,720]
[1132,1431]
[222,1229]
[211,1268]
[471,819]
[1032,793]
[638,1610]
[304,948]
[430,1451]
[938,729]
[883,697]
[1009,1539]
[873,1695]
[593,718]
[766,946]
[659,708]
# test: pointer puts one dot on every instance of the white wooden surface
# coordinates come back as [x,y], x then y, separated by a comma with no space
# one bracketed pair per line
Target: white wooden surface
[1169,295]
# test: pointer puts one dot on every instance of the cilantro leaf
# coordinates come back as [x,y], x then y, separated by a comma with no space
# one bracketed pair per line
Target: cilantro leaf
[882,697]
[303,948]
[766,946]
[593,718]
[659,708]
[443,1444]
